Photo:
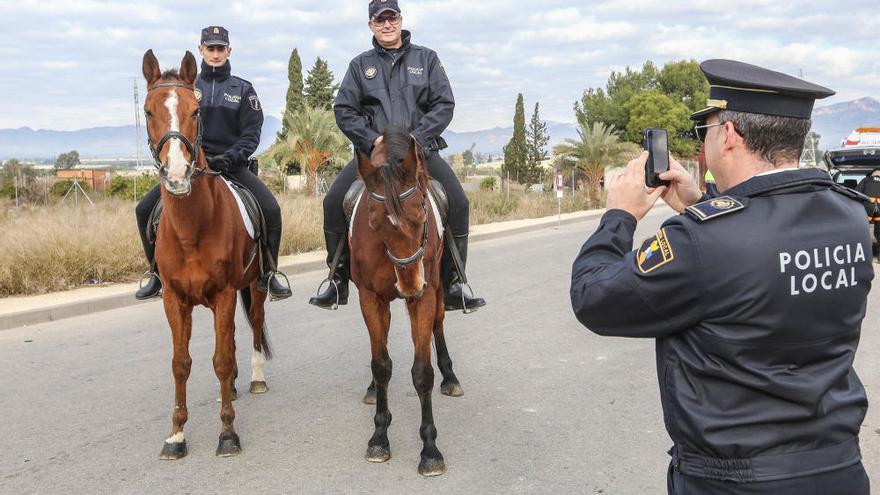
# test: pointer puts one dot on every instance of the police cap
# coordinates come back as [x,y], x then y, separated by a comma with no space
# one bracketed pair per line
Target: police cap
[379,6]
[742,87]
[215,35]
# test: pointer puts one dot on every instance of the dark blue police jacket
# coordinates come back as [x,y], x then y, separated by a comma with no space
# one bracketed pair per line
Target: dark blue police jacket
[406,87]
[232,116]
[756,299]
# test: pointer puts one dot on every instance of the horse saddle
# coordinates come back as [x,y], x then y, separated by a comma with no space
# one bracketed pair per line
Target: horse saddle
[251,214]
[435,188]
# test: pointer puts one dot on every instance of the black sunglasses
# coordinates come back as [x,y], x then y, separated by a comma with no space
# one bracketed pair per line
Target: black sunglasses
[702,130]
[392,17]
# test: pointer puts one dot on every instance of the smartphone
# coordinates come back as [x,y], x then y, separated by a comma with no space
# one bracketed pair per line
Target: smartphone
[656,142]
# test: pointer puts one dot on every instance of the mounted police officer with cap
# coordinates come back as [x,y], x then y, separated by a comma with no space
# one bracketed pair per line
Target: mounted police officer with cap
[232,118]
[403,84]
[755,297]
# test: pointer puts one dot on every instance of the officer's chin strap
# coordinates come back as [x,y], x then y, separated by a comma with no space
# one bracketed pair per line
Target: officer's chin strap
[333,266]
[459,267]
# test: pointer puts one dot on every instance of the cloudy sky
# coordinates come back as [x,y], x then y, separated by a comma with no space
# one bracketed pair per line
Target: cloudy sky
[70,64]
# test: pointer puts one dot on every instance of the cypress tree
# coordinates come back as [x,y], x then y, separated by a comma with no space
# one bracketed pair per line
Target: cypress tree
[295,99]
[320,90]
[515,153]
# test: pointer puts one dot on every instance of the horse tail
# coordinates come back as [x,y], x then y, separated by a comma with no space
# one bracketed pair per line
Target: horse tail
[247,303]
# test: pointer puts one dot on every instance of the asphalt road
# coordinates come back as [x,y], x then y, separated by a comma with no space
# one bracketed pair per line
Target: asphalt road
[548,406]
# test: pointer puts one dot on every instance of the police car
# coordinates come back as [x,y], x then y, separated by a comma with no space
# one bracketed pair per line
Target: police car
[858,157]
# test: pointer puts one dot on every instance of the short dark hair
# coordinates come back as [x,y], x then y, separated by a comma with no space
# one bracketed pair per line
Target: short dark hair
[775,139]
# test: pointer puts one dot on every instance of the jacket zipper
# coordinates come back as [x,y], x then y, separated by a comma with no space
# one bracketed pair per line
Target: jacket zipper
[213,80]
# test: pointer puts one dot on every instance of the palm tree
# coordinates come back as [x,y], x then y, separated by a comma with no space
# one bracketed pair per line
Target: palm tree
[313,140]
[597,147]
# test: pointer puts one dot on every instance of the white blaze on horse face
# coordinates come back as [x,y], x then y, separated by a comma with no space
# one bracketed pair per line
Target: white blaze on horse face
[419,282]
[257,363]
[176,160]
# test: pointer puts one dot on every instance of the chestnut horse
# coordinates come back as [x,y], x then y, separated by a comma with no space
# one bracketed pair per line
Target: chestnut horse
[396,248]
[203,250]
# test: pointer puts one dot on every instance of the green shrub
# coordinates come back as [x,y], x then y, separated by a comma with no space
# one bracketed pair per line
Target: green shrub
[488,184]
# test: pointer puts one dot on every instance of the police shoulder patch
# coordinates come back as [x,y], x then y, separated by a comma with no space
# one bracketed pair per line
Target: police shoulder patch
[255,102]
[371,72]
[715,207]
[655,252]
[198,94]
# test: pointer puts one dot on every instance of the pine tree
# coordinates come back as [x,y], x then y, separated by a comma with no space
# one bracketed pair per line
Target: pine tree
[320,90]
[515,153]
[536,149]
[295,99]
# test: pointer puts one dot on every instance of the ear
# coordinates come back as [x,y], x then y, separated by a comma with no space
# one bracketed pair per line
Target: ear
[366,169]
[151,68]
[188,69]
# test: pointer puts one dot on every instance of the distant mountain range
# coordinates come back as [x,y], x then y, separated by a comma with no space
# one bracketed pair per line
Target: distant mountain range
[832,122]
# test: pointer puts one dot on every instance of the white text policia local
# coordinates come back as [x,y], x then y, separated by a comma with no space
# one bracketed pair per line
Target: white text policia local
[839,262]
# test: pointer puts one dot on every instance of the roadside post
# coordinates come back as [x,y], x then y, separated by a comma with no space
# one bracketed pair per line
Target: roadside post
[560,191]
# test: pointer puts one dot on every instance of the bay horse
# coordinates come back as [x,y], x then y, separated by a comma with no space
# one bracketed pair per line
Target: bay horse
[203,250]
[396,249]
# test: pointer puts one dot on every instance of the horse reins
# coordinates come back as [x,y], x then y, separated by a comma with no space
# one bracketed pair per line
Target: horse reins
[405,262]
[194,149]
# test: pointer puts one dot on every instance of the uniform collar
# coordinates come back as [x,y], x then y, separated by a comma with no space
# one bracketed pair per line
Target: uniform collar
[792,178]
[218,74]
[406,37]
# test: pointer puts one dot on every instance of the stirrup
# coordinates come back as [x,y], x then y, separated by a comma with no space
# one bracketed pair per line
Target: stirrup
[464,308]
[272,275]
[147,276]
[335,286]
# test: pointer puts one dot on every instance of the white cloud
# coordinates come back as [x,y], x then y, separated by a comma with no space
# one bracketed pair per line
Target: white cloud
[74,60]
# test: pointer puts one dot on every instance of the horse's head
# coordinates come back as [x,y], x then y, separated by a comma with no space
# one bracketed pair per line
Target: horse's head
[396,183]
[174,127]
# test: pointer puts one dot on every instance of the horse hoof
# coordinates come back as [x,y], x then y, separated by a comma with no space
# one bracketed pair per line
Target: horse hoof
[173,451]
[452,389]
[259,387]
[378,453]
[229,446]
[234,396]
[370,398]
[432,467]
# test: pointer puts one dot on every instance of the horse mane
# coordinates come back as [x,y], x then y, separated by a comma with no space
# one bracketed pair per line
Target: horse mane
[170,74]
[398,144]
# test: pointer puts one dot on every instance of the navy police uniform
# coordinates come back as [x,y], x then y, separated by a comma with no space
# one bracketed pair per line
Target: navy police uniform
[406,87]
[232,120]
[756,300]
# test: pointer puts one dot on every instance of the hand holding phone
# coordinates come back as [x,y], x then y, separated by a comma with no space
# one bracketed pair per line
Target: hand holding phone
[655,141]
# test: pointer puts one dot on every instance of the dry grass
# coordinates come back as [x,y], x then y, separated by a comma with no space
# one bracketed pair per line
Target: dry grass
[57,248]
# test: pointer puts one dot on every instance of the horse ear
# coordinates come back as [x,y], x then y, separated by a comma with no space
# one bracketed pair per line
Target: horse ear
[151,68]
[188,69]
[366,169]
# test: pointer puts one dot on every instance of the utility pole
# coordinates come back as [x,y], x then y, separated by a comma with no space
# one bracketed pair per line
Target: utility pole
[137,121]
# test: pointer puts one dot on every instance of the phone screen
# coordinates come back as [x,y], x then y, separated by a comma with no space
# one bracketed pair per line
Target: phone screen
[659,151]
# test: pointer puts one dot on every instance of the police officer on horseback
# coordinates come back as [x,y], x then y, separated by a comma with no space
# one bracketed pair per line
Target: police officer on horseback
[232,118]
[403,84]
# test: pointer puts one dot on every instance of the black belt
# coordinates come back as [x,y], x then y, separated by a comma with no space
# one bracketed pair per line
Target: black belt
[768,467]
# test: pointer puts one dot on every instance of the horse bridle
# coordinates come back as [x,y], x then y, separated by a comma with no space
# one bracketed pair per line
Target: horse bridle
[405,262]
[194,149]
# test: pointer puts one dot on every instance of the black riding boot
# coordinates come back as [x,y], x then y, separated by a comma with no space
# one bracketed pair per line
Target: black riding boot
[336,292]
[153,287]
[269,280]
[456,297]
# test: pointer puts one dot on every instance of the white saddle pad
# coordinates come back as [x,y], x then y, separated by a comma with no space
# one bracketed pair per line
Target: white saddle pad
[248,225]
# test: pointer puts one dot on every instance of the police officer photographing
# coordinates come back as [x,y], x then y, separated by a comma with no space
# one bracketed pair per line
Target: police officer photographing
[232,120]
[403,84]
[755,298]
